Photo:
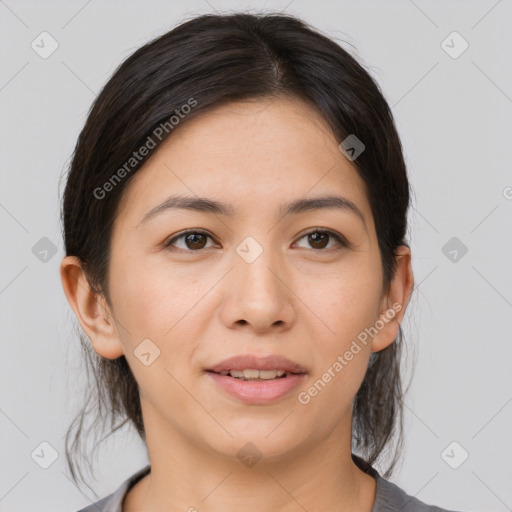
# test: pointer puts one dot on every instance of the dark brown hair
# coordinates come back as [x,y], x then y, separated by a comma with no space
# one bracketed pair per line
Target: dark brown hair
[216,59]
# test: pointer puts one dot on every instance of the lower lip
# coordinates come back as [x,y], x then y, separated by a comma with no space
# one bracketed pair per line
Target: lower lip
[258,392]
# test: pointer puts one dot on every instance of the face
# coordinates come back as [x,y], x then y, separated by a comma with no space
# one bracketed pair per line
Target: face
[198,286]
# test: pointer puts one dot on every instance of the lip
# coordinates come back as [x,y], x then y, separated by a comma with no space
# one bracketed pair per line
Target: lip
[253,362]
[257,392]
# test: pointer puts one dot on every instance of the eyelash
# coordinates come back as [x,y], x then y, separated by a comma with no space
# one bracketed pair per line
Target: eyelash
[339,238]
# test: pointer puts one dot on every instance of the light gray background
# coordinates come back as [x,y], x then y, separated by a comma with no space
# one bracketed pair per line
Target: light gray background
[454,118]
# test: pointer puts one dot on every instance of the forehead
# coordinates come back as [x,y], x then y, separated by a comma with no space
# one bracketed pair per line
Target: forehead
[252,154]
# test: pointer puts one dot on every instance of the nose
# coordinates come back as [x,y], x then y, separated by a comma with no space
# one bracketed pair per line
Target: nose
[258,294]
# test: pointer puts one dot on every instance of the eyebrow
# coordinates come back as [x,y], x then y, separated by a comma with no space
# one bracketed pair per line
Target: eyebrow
[203,204]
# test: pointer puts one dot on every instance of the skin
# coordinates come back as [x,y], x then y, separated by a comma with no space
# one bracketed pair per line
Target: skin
[199,307]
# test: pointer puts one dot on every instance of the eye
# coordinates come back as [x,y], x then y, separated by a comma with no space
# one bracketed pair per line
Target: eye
[319,239]
[194,240]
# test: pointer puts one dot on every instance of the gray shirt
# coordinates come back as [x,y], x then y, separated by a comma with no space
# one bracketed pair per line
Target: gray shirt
[389,497]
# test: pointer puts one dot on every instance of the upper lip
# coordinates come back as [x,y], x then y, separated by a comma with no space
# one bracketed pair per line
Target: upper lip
[252,362]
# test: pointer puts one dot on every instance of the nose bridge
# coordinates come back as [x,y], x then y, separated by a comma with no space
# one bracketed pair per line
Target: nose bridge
[256,262]
[257,292]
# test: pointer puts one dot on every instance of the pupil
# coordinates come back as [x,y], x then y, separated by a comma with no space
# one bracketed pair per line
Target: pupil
[314,239]
[192,238]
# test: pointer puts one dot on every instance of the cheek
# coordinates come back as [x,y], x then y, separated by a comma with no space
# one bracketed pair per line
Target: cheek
[153,307]
[342,356]
[151,304]
[168,311]
[347,300]
[348,304]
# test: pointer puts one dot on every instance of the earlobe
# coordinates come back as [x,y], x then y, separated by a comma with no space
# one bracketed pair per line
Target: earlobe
[90,309]
[395,301]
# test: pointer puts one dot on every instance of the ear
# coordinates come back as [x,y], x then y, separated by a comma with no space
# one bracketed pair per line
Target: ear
[90,308]
[395,301]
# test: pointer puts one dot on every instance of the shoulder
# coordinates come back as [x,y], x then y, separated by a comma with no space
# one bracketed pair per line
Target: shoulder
[391,498]
[114,502]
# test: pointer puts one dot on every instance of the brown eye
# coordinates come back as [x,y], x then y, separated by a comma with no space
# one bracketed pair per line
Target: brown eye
[319,239]
[194,241]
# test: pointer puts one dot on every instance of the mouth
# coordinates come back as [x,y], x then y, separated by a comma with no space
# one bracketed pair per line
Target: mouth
[257,381]
[250,366]
[253,375]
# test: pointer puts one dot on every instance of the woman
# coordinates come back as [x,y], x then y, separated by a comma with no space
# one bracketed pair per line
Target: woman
[234,222]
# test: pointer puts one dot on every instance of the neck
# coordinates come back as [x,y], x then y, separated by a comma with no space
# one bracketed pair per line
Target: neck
[186,476]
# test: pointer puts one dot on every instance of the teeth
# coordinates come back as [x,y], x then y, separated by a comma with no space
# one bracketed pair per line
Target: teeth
[254,374]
